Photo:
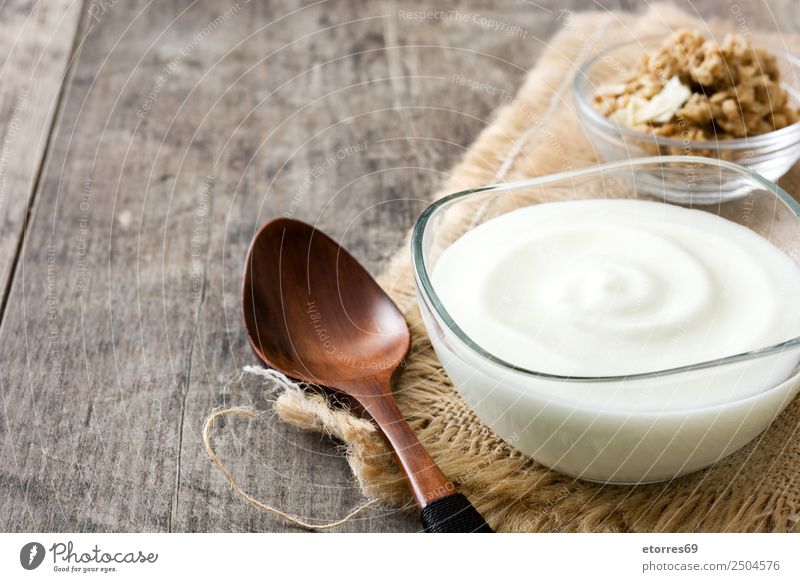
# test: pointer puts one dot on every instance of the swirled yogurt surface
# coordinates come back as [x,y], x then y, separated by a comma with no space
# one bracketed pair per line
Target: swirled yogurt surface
[615,287]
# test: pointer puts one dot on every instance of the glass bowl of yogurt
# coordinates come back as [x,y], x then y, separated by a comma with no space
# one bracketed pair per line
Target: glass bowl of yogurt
[608,333]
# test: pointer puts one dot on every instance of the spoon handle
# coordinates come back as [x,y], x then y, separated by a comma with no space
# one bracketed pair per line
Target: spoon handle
[453,514]
[443,510]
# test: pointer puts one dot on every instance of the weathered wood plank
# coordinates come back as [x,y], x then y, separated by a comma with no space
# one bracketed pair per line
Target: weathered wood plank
[93,369]
[747,15]
[36,40]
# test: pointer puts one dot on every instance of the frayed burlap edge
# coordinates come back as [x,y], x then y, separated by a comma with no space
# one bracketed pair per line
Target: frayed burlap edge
[756,489]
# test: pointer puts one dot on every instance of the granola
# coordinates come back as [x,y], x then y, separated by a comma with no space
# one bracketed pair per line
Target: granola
[704,90]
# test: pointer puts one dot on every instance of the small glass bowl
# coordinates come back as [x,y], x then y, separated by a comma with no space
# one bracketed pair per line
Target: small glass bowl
[624,429]
[770,154]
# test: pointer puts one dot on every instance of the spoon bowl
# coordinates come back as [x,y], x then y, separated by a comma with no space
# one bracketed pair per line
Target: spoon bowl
[315,313]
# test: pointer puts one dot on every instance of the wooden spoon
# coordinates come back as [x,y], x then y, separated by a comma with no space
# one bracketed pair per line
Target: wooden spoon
[313,313]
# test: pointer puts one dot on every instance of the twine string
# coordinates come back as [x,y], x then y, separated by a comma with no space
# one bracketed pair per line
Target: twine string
[252,413]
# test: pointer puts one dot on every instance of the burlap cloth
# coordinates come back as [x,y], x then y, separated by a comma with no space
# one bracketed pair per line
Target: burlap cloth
[754,490]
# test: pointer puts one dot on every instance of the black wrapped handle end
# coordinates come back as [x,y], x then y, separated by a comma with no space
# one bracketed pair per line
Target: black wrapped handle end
[453,514]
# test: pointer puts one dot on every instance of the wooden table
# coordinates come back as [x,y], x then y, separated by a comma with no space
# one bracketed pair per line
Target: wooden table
[142,144]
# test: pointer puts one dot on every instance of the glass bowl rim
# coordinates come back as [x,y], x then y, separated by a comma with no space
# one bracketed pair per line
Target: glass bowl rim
[425,286]
[585,107]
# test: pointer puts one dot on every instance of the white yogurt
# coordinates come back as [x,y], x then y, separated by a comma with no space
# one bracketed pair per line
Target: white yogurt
[612,288]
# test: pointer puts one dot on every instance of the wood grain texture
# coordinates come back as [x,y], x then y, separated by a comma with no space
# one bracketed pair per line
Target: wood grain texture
[36,40]
[185,126]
